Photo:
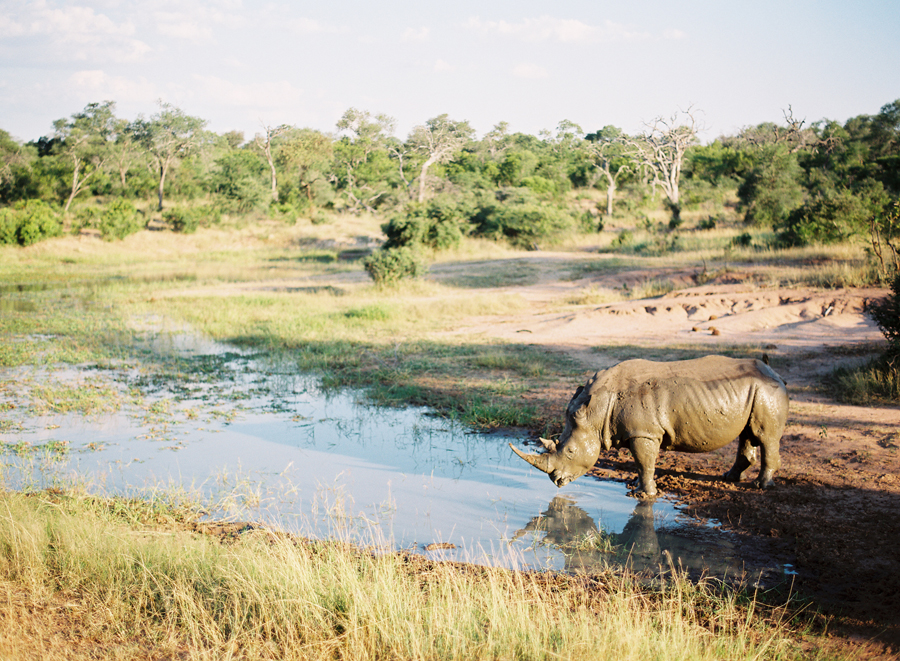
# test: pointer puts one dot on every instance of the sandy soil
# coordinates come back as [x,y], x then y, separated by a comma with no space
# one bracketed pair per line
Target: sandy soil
[835,507]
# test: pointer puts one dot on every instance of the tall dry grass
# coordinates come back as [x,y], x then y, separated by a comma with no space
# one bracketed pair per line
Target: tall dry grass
[69,572]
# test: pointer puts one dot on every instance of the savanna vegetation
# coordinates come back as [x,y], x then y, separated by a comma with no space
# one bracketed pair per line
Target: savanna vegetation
[131,579]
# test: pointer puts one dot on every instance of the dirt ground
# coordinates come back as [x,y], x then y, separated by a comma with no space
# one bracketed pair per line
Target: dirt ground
[835,509]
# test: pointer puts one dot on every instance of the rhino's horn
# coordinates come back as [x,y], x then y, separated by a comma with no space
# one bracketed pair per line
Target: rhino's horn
[539,461]
[548,444]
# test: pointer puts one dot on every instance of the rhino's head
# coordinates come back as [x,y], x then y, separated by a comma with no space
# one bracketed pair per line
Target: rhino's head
[578,446]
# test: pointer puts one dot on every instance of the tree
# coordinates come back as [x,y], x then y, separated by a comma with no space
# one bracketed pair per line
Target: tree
[365,135]
[264,143]
[307,153]
[168,136]
[607,151]
[16,177]
[123,150]
[661,149]
[771,189]
[437,140]
[84,141]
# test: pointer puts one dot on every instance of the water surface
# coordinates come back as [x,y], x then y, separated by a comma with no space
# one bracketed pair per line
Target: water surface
[269,445]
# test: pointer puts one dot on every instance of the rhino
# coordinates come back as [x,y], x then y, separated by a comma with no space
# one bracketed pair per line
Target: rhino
[697,405]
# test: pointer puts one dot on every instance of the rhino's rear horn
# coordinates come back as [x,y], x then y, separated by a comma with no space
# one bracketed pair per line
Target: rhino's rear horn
[539,461]
[548,444]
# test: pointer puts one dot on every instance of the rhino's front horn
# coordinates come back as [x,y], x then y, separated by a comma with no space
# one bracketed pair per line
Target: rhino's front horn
[539,461]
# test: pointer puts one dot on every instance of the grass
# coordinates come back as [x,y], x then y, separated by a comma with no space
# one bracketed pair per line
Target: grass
[82,577]
[876,381]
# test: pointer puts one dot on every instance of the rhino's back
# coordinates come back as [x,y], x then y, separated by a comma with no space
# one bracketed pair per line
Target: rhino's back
[691,405]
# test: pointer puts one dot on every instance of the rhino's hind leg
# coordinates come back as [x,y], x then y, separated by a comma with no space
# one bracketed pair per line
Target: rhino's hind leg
[766,431]
[747,456]
[645,451]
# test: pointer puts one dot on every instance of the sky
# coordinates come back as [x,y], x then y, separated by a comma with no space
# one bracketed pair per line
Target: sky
[245,65]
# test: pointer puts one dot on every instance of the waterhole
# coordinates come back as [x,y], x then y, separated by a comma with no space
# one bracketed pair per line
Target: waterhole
[262,443]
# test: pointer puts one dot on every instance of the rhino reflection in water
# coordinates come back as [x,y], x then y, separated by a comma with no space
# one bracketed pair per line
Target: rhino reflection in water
[696,405]
[640,546]
[569,528]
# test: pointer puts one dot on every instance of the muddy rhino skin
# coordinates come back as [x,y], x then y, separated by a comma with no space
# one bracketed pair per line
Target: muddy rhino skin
[696,405]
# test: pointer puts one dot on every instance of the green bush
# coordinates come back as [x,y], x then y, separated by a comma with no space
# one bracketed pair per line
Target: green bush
[831,216]
[28,222]
[8,225]
[886,314]
[524,224]
[119,220]
[388,266]
[437,224]
[186,220]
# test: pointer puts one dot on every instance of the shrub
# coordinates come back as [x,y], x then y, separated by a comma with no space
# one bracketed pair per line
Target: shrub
[388,266]
[119,220]
[8,225]
[744,240]
[525,224]
[832,216]
[184,220]
[437,224]
[624,239]
[28,222]
[886,314]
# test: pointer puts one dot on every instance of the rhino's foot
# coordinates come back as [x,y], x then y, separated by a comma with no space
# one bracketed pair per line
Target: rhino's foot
[732,476]
[760,483]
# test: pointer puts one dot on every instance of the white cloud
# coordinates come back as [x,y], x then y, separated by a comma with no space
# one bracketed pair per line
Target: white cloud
[268,94]
[441,65]
[75,20]
[72,33]
[549,28]
[312,26]
[415,34]
[9,27]
[531,71]
[674,33]
[183,26]
[101,85]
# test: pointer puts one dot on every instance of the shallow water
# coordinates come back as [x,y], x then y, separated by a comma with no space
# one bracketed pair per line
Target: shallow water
[270,446]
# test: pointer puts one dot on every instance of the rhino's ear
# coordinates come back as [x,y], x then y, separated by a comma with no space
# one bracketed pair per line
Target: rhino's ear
[578,391]
[582,410]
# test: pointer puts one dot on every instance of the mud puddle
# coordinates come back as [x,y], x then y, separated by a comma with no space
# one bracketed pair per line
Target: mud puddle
[260,442]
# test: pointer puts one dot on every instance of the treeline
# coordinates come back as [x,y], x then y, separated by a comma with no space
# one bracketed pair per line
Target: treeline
[817,183]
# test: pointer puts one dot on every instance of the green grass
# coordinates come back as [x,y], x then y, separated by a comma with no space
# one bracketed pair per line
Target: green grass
[876,381]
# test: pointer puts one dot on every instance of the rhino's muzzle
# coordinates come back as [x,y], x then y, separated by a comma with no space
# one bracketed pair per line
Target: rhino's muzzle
[562,480]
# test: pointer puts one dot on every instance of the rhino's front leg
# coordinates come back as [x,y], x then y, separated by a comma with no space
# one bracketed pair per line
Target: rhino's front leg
[645,451]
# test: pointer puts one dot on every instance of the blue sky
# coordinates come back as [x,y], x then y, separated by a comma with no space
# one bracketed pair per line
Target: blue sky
[243,64]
